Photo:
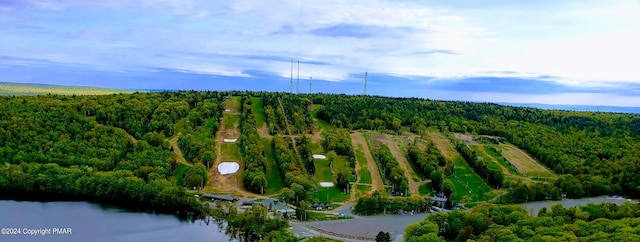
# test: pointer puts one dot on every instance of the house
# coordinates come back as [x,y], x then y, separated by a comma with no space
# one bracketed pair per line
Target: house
[224,198]
[276,206]
[246,203]
[439,201]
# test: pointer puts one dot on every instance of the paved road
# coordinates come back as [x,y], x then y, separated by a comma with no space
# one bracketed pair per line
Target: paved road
[369,226]
[358,226]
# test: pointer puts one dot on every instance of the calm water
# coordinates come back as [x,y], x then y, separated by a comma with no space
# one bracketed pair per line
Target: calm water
[93,222]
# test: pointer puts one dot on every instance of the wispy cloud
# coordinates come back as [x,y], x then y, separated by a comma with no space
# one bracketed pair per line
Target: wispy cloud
[562,43]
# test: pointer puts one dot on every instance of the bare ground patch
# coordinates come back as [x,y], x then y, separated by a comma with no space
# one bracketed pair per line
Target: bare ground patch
[523,162]
[466,138]
[357,140]
[408,171]
[444,145]
[176,149]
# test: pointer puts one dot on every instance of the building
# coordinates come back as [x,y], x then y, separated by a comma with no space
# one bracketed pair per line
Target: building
[224,198]
[276,206]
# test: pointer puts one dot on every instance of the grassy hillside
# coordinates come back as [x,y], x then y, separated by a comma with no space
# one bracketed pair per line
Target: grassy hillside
[31,89]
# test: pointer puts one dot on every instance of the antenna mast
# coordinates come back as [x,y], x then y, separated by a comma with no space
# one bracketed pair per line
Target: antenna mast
[291,82]
[309,85]
[298,79]
[365,83]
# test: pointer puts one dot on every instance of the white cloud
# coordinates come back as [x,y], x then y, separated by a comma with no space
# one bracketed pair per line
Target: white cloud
[585,43]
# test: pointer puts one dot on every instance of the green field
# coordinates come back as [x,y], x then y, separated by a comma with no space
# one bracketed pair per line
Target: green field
[230,151]
[31,89]
[274,179]
[334,194]
[361,190]
[323,171]
[363,172]
[504,163]
[467,182]
[321,123]
[491,161]
[257,106]
[426,189]
[231,120]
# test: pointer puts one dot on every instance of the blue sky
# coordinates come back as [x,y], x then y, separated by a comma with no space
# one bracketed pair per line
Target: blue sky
[554,52]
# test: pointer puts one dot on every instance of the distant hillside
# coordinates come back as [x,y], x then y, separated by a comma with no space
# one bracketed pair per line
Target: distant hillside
[586,108]
[31,89]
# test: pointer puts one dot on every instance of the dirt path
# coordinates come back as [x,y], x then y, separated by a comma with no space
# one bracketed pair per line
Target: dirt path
[264,132]
[524,162]
[393,147]
[485,154]
[357,139]
[178,151]
[230,183]
[444,145]
[286,122]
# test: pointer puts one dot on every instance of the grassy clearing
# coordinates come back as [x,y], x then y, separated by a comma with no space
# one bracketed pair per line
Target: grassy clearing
[321,123]
[501,161]
[257,107]
[231,121]
[341,162]
[230,151]
[316,147]
[368,139]
[31,89]
[466,181]
[334,194]
[233,104]
[491,161]
[323,171]
[402,141]
[361,190]
[363,172]
[525,164]
[425,189]
[274,179]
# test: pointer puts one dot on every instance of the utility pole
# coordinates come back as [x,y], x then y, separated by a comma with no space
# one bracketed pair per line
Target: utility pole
[298,79]
[291,82]
[309,85]
[365,84]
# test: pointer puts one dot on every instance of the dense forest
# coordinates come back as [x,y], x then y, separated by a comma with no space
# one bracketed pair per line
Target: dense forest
[123,148]
[488,222]
[107,148]
[596,153]
[254,178]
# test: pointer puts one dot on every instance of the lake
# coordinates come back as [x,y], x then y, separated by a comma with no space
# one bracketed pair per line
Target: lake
[84,221]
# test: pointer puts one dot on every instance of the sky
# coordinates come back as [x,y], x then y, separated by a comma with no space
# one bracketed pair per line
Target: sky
[552,52]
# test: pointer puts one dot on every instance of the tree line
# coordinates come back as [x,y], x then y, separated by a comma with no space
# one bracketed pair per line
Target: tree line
[492,174]
[380,202]
[488,222]
[291,168]
[281,108]
[254,178]
[57,146]
[338,142]
[599,149]
[391,170]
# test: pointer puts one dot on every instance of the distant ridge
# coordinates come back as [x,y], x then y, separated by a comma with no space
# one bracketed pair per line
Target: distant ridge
[31,89]
[612,109]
